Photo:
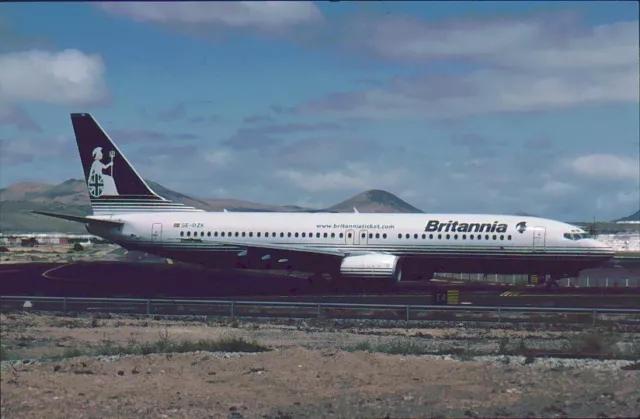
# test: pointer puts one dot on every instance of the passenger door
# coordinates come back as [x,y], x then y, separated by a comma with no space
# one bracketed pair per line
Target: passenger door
[351,237]
[539,237]
[156,232]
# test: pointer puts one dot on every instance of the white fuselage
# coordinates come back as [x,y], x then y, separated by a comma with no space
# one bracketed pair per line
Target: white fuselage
[459,236]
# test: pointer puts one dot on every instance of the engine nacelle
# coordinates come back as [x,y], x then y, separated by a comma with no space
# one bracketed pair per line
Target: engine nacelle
[371,266]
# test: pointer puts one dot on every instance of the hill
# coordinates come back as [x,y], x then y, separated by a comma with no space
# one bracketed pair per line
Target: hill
[71,197]
[633,217]
[374,200]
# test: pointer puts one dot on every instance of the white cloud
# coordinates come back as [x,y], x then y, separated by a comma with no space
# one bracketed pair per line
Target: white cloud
[218,157]
[554,187]
[481,92]
[355,177]
[515,65]
[66,77]
[23,149]
[241,14]
[550,42]
[606,167]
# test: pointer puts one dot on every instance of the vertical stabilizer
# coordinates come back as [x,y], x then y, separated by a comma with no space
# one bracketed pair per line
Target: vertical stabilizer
[113,184]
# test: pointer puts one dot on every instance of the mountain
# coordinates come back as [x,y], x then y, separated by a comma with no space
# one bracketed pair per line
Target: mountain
[23,190]
[71,197]
[633,217]
[374,200]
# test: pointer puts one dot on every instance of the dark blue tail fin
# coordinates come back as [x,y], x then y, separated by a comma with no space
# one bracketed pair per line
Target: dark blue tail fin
[113,184]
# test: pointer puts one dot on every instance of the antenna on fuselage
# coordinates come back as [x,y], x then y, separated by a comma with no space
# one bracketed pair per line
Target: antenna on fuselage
[592,229]
[356,210]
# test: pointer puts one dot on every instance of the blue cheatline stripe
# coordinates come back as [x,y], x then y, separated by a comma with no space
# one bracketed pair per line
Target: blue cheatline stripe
[407,251]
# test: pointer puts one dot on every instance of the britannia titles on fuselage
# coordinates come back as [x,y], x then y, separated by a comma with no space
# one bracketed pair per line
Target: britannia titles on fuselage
[457,227]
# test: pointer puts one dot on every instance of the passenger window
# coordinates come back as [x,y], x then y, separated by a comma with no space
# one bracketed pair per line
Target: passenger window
[188,234]
[289,234]
[281,234]
[182,234]
[495,237]
[222,234]
[341,235]
[408,235]
[325,235]
[243,234]
[333,235]
[399,236]
[208,234]
[424,236]
[364,235]
[464,237]
[370,235]
[439,236]
[431,236]
[509,237]
[486,237]
[377,235]
[448,236]
[304,234]
[455,236]
[258,234]
[501,237]
[296,234]
[237,234]
[384,235]
[202,234]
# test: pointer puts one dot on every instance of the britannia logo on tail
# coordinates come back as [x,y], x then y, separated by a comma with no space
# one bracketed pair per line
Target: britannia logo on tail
[101,183]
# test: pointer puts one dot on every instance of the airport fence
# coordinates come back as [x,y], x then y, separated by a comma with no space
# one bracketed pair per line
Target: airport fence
[586,281]
[319,310]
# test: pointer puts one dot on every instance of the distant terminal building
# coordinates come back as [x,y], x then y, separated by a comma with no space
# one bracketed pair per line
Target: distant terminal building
[34,239]
[628,222]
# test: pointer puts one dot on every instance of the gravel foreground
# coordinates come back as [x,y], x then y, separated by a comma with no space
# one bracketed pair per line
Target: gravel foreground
[309,371]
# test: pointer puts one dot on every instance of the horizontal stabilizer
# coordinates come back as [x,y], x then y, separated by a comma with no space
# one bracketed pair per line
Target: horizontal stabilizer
[78,219]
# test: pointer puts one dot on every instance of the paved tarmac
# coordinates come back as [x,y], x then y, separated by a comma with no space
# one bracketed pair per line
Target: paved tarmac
[156,280]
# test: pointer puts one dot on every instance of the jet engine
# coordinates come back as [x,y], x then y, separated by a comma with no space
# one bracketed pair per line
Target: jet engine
[371,266]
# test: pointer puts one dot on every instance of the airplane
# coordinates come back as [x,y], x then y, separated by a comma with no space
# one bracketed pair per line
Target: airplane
[356,246]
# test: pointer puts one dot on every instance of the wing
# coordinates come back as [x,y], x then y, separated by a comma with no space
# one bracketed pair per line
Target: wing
[309,250]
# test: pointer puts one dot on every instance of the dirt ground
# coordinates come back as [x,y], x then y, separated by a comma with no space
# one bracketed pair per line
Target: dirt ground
[308,372]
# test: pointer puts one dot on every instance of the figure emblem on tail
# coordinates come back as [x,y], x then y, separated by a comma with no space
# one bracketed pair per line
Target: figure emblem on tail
[100,183]
[521,226]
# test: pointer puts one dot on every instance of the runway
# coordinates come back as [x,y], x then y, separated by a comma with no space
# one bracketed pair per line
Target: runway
[154,280]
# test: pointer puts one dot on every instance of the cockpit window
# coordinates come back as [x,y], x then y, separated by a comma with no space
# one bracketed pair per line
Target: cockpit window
[576,236]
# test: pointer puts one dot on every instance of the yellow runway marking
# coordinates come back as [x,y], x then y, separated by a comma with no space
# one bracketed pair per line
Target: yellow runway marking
[518,294]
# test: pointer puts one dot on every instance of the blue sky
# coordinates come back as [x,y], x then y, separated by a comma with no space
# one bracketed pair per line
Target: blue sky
[453,106]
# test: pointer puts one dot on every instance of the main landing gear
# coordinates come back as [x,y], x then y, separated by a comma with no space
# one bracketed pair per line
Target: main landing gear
[550,281]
